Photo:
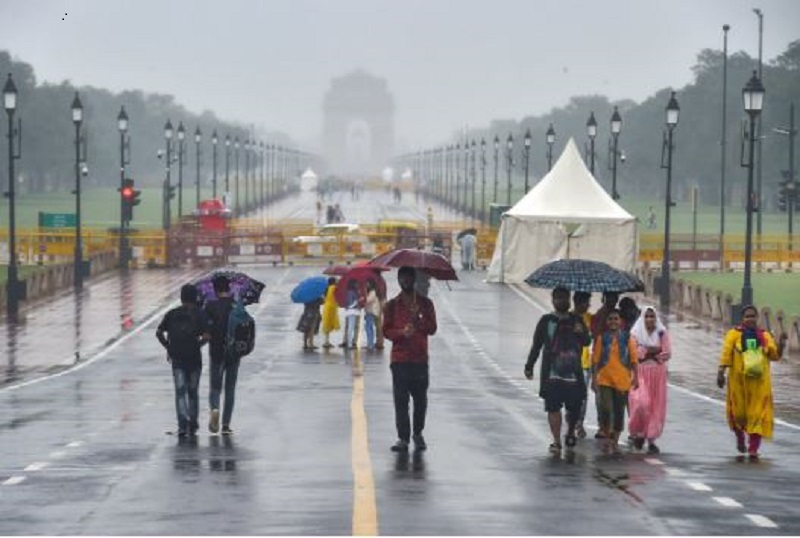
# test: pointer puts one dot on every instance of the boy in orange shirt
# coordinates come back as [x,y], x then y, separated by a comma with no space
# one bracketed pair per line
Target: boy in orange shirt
[614,372]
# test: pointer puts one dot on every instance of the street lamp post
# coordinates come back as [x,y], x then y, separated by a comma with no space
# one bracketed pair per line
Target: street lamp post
[197,137]
[474,155]
[483,179]
[246,175]
[509,165]
[227,169]
[550,137]
[616,128]
[12,282]
[753,96]
[181,138]
[236,173]
[214,141]
[591,132]
[790,186]
[759,139]
[457,162]
[673,112]
[463,205]
[263,167]
[724,144]
[77,119]
[496,165]
[527,158]
[122,126]
[166,209]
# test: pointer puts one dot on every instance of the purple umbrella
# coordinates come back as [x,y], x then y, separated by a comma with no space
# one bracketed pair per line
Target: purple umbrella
[243,287]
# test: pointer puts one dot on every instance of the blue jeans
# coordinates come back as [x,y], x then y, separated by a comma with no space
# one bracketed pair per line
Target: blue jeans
[369,328]
[226,370]
[187,403]
[352,323]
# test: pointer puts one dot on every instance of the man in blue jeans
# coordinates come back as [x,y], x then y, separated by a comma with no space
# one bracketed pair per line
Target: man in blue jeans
[222,369]
[182,332]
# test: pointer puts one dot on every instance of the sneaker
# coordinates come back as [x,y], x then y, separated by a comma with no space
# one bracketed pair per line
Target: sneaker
[419,442]
[213,421]
[226,430]
[400,446]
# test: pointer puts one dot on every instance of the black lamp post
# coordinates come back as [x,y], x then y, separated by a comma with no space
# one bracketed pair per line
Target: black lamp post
[246,145]
[672,111]
[214,141]
[616,128]
[227,169]
[753,96]
[122,126]
[263,166]
[474,155]
[509,165]
[167,204]
[527,157]
[197,137]
[591,132]
[236,173]
[550,137]
[483,180]
[181,138]
[12,283]
[496,166]
[77,119]
[724,144]
[463,205]
[457,162]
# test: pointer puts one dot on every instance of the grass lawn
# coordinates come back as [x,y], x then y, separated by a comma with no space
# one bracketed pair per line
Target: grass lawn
[779,291]
[22,272]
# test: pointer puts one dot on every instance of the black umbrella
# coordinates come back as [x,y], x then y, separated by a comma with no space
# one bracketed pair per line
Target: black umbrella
[466,231]
[584,275]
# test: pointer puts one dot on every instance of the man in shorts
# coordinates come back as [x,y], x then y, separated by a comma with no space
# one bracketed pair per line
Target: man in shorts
[560,337]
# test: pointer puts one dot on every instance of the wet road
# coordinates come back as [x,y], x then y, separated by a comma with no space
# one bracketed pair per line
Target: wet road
[90,450]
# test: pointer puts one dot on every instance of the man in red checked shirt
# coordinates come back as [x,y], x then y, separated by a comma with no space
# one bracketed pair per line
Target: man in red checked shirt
[408,320]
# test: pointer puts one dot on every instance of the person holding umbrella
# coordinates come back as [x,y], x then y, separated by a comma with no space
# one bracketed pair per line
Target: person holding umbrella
[223,369]
[408,320]
[330,313]
[561,335]
[468,244]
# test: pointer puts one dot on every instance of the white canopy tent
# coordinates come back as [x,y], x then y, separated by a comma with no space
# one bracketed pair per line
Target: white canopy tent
[566,215]
[308,180]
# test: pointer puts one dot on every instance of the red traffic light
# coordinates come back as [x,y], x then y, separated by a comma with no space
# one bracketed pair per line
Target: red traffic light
[127,193]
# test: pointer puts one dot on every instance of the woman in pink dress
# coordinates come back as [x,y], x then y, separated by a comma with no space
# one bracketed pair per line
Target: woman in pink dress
[648,403]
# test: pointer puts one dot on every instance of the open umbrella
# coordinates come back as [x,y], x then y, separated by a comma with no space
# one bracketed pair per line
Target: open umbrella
[243,287]
[584,275]
[310,289]
[467,231]
[361,275]
[434,264]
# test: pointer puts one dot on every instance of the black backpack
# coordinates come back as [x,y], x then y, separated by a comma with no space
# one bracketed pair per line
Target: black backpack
[183,334]
[240,337]
[564,348]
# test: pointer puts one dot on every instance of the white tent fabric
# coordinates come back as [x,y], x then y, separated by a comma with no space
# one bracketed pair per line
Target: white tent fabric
[309,174]
[566,215]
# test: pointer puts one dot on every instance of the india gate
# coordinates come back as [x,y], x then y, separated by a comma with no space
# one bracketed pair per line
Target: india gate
[358,129]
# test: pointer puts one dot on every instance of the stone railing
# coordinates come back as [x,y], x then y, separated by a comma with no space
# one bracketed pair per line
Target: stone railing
[52,278]
[717,307]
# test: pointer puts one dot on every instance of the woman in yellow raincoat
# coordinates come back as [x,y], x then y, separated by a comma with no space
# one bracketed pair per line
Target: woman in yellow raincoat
[748,405]
[330,313]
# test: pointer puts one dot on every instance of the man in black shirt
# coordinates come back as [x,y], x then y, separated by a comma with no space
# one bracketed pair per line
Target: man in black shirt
[561,336]
[222,369]
[182,332]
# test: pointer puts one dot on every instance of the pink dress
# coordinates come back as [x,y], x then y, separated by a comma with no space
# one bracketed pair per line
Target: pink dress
[648,403]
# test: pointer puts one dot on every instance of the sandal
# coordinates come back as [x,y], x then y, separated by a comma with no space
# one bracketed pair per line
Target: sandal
[570,441]
[555,448]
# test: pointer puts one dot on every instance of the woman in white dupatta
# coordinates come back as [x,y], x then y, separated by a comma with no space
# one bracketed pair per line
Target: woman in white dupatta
[648,403]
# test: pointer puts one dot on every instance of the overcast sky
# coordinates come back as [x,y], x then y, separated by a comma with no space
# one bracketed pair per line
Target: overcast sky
[447,62]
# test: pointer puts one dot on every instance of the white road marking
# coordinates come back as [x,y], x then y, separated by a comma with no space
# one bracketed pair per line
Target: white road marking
[37,466]
[675,472]
[74,444]
[57,454]
[654,461]
[698,486]
[14,480]
[727,501]
[762,521]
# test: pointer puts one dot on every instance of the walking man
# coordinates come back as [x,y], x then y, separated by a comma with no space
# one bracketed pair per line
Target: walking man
[562,335]
[408,320]
[223,369]
[182,332]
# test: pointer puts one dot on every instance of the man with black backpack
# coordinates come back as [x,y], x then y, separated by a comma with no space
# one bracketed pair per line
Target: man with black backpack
[183,332]
[562,336]
[232,332]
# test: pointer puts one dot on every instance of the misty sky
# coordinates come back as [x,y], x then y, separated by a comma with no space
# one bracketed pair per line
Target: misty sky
[447,62]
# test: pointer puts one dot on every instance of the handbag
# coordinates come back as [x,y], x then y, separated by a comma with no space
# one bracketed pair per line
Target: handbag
[753,360]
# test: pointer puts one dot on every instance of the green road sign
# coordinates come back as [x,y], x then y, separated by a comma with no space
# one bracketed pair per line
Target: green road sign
[56,220]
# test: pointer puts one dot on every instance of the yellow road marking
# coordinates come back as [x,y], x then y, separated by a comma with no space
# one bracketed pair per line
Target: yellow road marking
[365,512]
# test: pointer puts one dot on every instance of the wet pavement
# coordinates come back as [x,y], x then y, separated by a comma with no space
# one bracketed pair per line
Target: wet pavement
[90,450]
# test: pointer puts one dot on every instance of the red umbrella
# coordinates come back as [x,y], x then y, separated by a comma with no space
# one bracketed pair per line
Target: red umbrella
[361,275]
[336,270]
[434,264]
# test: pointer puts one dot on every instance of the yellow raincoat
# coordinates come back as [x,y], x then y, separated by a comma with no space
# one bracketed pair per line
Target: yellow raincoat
[748,405]
[330,311]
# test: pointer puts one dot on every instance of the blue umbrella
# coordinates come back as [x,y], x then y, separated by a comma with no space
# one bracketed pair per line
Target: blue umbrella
[584,275]
[310,289]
